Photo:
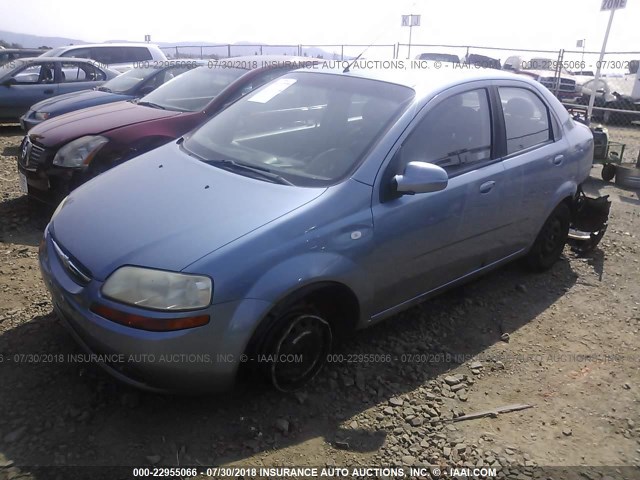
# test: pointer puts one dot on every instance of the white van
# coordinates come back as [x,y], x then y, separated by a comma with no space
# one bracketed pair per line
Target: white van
[117,56]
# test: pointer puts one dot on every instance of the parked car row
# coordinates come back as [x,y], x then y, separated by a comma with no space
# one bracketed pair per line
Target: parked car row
[65,151]
[27,81]
[259,215]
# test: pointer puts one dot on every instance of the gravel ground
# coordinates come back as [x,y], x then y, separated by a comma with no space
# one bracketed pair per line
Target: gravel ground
[565,341]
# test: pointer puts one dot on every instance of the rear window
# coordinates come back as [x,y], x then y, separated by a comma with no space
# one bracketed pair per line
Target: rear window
[109,55]
[104,54]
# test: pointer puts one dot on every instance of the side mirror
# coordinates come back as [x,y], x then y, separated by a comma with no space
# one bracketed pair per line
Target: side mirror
[9,81]
[421,177]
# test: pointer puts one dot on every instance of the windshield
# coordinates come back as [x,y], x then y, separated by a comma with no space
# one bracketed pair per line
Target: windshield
[311,129]
[55,52]
[128,80]
[193,90]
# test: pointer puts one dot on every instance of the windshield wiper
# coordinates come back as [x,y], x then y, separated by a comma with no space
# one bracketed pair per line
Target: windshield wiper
[152,105]
[232,165]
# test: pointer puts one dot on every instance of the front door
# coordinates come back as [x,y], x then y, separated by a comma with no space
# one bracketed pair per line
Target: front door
[425,241]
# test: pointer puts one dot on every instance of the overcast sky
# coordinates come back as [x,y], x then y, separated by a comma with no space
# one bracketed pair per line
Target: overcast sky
[542,24]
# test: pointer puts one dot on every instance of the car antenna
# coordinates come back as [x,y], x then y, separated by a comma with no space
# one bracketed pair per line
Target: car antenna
[346,70]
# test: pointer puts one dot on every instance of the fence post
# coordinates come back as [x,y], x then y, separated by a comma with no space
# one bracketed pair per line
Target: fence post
[201,56]
[176,51]
[341,52]
[261,50]
[228,50]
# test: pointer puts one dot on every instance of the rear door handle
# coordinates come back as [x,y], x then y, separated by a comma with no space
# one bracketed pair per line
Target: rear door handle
[486,187]
[557,160]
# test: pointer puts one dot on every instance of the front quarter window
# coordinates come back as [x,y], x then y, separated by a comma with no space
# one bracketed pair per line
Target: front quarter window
[312,129]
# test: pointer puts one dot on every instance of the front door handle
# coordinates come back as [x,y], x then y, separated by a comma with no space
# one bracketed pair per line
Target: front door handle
[48,91]
[486,187]
[557,160]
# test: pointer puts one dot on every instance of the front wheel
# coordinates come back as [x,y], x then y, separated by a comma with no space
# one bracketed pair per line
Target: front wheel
[551,240]
[295,349]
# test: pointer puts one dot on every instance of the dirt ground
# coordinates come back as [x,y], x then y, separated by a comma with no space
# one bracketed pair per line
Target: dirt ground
[565,342]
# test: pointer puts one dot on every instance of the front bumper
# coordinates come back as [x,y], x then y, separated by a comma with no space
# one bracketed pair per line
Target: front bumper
[201,359]
[45,182]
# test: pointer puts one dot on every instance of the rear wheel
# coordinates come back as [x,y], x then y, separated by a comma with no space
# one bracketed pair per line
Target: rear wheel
[551,240]
[295,348]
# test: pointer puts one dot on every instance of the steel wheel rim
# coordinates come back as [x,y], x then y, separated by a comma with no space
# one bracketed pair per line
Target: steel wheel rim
[308,336]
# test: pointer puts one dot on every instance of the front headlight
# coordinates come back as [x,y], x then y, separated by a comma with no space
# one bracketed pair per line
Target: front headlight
[158,289]
[80,152]
[41,115]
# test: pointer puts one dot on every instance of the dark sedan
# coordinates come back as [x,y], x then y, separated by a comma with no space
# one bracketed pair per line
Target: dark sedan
[62,153]
[26,81]
[134,83]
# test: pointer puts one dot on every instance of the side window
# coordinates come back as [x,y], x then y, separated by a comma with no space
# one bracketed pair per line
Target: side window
[77,53]
[38,73]
[106,55]
[80,72]
[526,119]
[454,134]
[137,54]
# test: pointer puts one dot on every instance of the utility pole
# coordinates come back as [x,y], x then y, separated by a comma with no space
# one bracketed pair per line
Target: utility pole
[611,5]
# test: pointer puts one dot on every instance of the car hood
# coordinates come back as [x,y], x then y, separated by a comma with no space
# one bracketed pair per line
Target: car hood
[93,121]
[77,100]
[166,210]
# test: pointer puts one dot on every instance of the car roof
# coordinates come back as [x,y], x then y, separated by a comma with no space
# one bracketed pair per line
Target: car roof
[55,59]
[424,80]
[265,61]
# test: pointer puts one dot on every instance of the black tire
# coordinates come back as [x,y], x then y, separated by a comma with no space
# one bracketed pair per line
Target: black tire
[608,172]
[295,348]
[551,240]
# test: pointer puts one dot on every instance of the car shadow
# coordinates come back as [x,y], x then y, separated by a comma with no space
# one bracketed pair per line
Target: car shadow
[63,412]
[23,221]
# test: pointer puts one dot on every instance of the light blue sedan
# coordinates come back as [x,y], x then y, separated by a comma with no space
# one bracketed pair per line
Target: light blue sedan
[323,202]
[26,81]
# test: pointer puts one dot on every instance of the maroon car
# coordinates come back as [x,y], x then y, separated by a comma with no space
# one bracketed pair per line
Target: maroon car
[61,153]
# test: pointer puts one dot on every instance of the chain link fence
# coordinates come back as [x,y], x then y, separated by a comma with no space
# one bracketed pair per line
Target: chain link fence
[569,74]
[327,52]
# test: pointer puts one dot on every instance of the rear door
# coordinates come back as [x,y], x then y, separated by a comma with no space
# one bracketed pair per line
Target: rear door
[534,158]
[74,76]
[425,241]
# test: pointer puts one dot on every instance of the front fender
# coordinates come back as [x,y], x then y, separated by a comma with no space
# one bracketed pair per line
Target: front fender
[308,269]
